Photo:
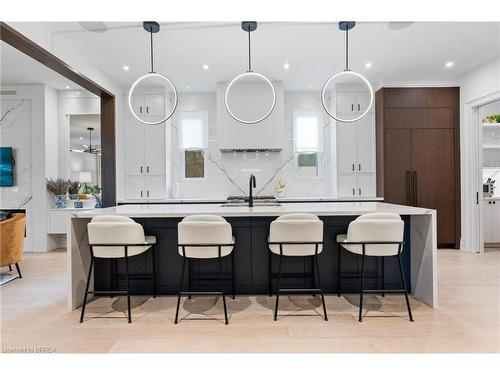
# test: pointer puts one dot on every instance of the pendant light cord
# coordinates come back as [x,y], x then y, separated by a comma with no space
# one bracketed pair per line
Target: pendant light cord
[152,66]
[249,53]
[347,50]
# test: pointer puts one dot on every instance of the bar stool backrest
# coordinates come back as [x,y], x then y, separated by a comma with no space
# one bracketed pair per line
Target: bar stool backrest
[296,228]
[204,229]
[112,218]
[116,233]
[375,230]
[380,216]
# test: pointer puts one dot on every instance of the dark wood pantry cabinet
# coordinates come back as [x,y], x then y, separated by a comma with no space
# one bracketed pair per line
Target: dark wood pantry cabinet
[418,153]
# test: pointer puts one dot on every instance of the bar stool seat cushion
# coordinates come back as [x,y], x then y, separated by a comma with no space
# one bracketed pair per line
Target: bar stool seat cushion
[298,227]
[205,229]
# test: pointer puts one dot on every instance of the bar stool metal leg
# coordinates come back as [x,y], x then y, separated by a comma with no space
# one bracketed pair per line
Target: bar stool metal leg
[232,273]
[153,249]
[222,287]
[189,277]
[278,289]
[270,273]
[361,285]
[383,276]
[10,267]
[404,286]
[86,289]
[320,287]
[339,274]
[128,286]
[180,290]
[313,276]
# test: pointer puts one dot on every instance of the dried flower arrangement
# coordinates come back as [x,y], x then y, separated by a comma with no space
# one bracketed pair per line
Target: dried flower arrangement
[58,186]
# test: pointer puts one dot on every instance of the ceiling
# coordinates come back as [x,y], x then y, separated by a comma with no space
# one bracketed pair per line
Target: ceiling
[16,68]
[314,51]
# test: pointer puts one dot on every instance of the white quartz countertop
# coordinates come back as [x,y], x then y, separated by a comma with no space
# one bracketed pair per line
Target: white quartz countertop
[318,208]
[220,200]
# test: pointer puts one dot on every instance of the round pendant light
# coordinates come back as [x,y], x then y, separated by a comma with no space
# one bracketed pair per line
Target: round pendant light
[249,26]
[152,28]
[346,74]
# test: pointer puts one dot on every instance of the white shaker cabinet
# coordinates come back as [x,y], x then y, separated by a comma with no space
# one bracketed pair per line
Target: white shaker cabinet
[145,151]
[491,220]
[355,147]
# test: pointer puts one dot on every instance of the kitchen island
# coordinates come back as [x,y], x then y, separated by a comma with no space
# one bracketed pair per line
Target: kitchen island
[252,257]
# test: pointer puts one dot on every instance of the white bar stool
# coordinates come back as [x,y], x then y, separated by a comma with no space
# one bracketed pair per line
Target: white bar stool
[376,235]
[117,237]
[297,235]
[204,237]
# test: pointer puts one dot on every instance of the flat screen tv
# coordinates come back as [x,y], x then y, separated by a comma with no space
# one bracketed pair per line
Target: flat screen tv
[6,167]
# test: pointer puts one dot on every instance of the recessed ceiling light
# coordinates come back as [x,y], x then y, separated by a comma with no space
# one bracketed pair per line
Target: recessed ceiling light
[449,64]
[187,87]
[310,86]
[67,87]
[126,67]
[81,138]
[205,66]
[368,65]
[286,65]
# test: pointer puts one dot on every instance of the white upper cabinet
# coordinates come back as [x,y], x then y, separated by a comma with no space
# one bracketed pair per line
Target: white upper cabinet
[154,105]
[134,146]
[352,102]
[145,150]
[346,149]
[364,144]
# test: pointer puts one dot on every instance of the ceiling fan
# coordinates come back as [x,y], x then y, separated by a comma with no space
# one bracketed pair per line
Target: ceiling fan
[91,149]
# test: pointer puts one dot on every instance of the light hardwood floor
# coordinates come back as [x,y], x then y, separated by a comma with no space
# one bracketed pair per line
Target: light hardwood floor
[34,314]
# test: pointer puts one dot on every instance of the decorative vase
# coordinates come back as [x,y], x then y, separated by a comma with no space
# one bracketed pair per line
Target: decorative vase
[61,201]
[98,205]
[74,197]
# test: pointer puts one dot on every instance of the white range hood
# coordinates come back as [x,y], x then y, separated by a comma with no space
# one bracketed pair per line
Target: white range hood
[267,135]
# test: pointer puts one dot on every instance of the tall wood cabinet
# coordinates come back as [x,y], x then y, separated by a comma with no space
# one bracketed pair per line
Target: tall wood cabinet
[418,155]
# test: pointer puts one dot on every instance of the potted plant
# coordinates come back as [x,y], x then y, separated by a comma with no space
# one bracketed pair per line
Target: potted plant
[73,189]
[96,193]
[59,188]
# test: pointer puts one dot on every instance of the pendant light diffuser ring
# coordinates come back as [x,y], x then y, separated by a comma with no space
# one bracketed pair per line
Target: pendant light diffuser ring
[174,106]
[235,80]
[340,74]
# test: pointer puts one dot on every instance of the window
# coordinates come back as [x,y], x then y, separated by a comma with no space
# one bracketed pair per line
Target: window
[307,143]
[193,135]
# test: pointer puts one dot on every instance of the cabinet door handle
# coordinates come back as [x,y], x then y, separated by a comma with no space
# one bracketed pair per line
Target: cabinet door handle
[353,167]
[141,193]
[147,109]
[359,167]
[140,109]
[147,193]
[353,191]
[141,168]
[415,193]
[359,107]
[494,202]
[359,191]
[408,188]
[352,107]
[147,169]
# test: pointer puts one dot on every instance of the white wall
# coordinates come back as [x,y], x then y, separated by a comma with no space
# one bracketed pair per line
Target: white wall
[34,143]
[479,85]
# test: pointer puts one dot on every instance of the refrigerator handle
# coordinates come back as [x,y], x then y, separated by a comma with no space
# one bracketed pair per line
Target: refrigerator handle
[415,193]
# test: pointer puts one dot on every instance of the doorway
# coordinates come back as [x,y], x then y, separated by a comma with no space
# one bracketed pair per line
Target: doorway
[489,175]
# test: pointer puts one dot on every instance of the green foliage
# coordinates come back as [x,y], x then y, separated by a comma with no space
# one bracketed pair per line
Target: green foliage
[73,187]
[92,189]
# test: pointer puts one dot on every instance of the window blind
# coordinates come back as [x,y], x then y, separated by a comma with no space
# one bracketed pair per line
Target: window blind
[306,133]
[193,131]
